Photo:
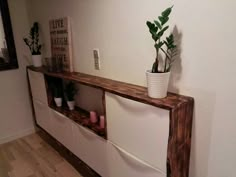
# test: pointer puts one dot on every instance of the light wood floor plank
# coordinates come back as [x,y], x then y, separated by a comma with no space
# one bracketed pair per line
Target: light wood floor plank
[32,157]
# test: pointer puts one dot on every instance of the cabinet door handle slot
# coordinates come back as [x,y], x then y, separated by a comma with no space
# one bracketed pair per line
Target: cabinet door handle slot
[136,159]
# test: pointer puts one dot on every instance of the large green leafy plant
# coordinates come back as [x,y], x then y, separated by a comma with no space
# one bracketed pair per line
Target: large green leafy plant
[165,46]
[33,40]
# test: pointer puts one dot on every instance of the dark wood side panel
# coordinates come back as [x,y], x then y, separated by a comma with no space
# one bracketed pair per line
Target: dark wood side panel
[179,144]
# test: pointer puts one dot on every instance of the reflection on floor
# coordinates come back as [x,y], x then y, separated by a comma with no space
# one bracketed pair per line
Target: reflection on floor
[32,157]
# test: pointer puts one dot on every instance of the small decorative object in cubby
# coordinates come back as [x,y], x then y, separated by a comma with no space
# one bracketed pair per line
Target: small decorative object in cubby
[158,77]
[33,43]
[80,113]
[102,122]
[93,117]
[57,93]
[70,91]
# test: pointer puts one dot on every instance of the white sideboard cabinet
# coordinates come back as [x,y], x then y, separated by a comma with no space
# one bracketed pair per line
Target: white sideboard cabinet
[142,137]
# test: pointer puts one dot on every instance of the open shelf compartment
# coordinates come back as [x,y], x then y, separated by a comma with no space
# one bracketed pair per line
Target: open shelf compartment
[78,115]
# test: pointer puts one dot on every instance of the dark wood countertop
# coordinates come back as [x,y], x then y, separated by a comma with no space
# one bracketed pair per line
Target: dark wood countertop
[130,91]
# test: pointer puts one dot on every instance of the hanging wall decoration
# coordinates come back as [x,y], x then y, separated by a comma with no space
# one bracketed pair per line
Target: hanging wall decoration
[61,45]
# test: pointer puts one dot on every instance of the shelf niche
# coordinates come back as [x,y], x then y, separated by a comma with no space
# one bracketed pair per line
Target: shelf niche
[86,99]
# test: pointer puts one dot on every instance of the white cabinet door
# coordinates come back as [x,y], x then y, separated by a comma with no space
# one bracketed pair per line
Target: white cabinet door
[62,129]
[43,118]
[139,129]
[38,88]
[122,164]
[90,148]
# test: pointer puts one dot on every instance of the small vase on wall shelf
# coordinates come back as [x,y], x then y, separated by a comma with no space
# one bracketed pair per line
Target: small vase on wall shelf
[35,47]
[58,101]
[157,84]
[37,60]
[71,105]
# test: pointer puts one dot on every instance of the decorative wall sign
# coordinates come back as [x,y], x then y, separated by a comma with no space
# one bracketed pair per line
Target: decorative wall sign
[61,45]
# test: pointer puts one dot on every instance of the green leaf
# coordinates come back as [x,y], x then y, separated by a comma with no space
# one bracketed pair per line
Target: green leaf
[150,25]
[161,19]
[165,19]
[167,12]
[170,42]
[158,24]
[170,39]
[154,37]
[159,45]
[172,46]
[155,29]
[160,34]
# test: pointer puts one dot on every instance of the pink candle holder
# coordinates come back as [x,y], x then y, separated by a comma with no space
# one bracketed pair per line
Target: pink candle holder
[93,117]
[102,122]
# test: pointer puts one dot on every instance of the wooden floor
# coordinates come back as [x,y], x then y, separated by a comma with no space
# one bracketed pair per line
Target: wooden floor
[32,157]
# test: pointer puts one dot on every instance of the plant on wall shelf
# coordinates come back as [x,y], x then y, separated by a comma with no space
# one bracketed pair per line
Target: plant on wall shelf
[57,92]
[33,40]
[70,91]
[158,77]
[166,46]
[33,43]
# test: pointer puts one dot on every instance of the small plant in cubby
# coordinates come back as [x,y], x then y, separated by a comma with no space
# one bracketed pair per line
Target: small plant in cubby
[57,93]
[70,91]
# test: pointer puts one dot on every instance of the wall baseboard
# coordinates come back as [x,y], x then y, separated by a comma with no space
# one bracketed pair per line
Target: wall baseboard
[17,135]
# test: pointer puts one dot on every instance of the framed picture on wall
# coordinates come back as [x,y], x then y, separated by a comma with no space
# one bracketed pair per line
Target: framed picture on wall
[61,45]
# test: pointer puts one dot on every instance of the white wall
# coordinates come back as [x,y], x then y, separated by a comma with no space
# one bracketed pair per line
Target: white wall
[205,70]
[15,109]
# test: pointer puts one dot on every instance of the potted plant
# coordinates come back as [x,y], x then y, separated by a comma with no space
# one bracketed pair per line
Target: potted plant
[33,43]
[70,91]
[158,77]
[57,94]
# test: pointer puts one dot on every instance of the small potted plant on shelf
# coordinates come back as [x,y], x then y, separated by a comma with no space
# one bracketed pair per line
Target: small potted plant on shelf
[158,77]
[70,91]
[57,94]
[33,43]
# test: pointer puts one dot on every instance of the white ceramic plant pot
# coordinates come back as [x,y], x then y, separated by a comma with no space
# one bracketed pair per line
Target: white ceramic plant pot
[37,60]
[58,101]
[157,84]
[71,105]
